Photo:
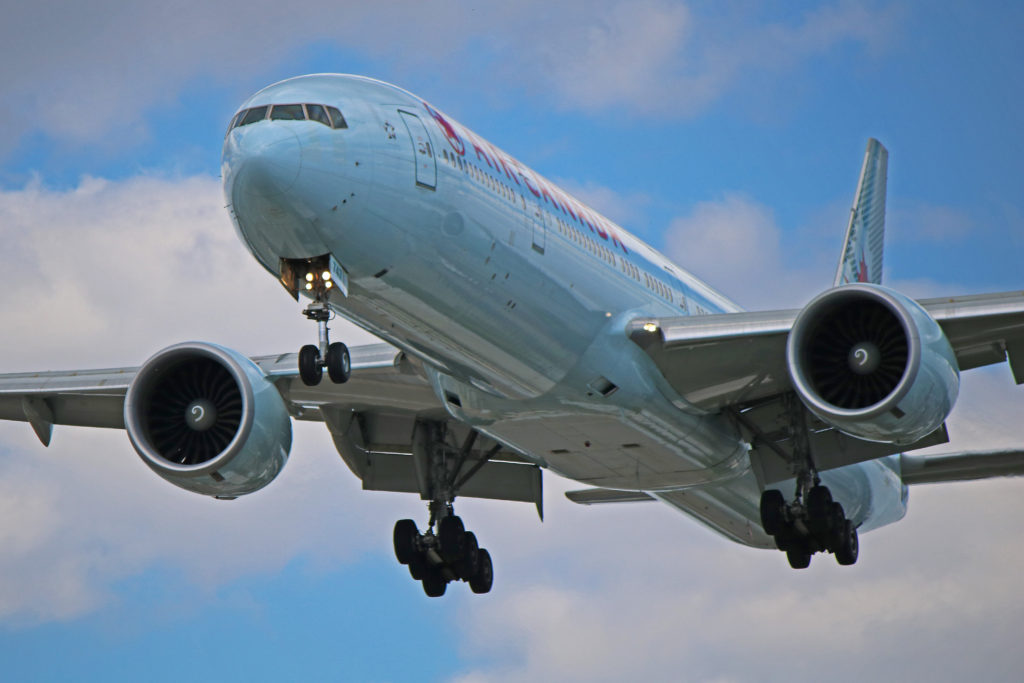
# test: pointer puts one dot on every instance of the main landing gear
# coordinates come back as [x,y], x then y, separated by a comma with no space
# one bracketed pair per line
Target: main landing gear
[313,359]
[449,554]
[813,522]
[446,551]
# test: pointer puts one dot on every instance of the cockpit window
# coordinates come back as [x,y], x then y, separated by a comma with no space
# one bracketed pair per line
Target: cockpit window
[318,113]
[287,112]
[329,116]
[337,118]
[253,115]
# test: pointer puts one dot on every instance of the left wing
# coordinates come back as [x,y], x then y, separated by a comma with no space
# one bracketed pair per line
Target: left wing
[373,418]
[736,363]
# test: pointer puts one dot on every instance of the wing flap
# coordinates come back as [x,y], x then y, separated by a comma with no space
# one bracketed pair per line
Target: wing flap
[599,496]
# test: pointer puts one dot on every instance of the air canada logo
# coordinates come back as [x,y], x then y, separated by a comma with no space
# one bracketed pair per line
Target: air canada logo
[449,131]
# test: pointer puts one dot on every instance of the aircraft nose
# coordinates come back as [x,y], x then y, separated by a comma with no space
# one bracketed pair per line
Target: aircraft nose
[262,160]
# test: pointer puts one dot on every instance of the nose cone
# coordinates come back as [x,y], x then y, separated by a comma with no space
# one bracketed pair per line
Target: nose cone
[262,166]
[262,159]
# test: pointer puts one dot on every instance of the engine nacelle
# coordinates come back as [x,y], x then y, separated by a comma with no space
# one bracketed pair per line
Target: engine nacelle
[873,364]
[207,419]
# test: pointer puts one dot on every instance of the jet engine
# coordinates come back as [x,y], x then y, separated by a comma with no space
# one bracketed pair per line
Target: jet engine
[873,364]
[208,420]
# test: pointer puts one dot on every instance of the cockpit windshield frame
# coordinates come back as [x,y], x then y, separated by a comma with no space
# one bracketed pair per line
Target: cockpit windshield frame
[319,113]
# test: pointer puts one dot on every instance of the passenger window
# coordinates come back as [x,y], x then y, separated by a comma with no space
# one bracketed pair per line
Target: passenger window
[337,118]
[253,115]
[318,113]
[287,112]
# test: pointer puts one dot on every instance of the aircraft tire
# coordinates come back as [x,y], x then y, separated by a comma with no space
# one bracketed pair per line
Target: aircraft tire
[451,533]
[849,548]
[309,365]
[339,363]
[469,564]
[819,502]
[418,567]
[405,536]
[799,558]
[434,584]
[772,505]
[484,577]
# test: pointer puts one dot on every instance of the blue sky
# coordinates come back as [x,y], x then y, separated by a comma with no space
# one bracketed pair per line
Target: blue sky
[727,135]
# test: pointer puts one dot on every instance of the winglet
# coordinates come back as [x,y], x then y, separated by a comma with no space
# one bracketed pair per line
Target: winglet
[861,258]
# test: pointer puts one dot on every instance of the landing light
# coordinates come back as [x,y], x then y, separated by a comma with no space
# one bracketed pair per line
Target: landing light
[326,275]
[309,285]
[328,284]
[650,327]
[309,278]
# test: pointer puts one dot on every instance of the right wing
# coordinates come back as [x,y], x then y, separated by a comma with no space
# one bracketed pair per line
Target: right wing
[373,418]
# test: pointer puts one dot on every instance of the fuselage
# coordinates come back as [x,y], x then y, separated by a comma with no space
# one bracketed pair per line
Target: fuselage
[513,294]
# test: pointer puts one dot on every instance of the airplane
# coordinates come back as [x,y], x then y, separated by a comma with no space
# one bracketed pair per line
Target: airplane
[523,331]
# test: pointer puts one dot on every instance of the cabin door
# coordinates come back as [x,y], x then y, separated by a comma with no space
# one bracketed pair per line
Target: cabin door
[422,150]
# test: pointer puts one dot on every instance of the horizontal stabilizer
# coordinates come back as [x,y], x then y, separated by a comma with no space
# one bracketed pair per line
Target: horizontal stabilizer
[965,466]
[595,496]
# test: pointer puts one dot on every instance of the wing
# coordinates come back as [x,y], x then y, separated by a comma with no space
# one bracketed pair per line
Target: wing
[373,418]
[736,363]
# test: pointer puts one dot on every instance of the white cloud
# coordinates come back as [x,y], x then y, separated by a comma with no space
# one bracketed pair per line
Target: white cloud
[108,64]
[736,244]
[625,208]
[104,275]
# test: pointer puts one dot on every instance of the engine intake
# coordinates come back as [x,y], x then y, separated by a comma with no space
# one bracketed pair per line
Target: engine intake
[207,419]
[872,363]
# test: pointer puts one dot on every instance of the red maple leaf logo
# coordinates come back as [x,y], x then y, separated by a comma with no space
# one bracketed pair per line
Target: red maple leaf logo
[449,131]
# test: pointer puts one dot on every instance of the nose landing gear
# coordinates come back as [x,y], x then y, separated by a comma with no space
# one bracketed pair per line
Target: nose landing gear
[334,356]
[318,277]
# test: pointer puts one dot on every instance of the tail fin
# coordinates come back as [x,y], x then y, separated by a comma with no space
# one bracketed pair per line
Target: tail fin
[861,259]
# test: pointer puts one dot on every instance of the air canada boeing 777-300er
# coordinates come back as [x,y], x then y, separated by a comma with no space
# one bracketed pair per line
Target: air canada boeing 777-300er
[523,331]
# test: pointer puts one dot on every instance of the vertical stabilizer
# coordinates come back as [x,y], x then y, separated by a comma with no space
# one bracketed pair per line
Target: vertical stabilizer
[861,259]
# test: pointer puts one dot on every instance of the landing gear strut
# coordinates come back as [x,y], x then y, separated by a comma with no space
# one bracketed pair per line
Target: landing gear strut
[813,522]
[446,551]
